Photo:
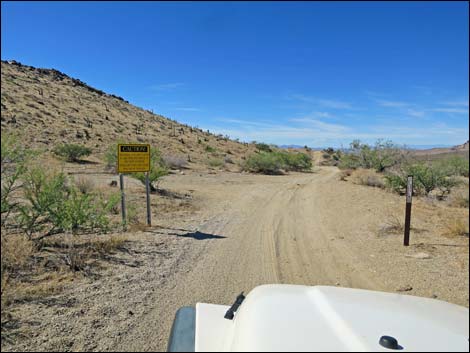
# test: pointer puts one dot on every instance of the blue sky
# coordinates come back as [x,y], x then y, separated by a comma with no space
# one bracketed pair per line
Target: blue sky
[307,73]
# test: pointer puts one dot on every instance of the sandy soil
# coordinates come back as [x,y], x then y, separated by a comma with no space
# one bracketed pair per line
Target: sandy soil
[242,231]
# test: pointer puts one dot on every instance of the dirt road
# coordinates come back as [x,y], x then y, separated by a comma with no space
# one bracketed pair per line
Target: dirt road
[267,233]
[248,230]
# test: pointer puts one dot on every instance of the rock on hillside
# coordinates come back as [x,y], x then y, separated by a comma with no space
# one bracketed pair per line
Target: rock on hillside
[47,107]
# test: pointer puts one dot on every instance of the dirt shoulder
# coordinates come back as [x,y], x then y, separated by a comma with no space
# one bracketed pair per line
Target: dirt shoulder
[242,231]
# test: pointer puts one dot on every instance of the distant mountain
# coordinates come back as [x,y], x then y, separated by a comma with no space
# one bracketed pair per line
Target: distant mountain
[300,146]
[426,147]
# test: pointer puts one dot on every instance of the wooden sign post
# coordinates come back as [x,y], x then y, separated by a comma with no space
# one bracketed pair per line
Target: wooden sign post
[134,158]
[409,194]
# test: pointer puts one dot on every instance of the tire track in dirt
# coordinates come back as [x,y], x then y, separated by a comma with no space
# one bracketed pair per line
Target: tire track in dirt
[274,234]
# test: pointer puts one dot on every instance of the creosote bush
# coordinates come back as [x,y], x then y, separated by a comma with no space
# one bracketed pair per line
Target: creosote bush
[384,155]
[278,161]
[55,206]
[71,152]
[427,177]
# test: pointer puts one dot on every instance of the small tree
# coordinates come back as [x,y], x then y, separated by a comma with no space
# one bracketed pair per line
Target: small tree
[72,152]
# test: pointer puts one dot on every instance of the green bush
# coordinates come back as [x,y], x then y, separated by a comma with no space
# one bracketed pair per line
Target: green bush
[380,157]
[396,182]
[263,147]
[210,149]
[264,162]
[454,166]
[71,152]
[156,172]
[276,162]
[296,161]
[14,158]
[52,206]
[216,162]
[427,177]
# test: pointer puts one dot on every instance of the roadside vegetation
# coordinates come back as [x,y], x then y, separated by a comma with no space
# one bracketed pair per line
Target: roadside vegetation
[269,161]
[71,152]
[45,214]
[385,165]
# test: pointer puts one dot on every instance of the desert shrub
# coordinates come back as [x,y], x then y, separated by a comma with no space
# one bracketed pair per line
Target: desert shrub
[84,185]
[396,182]
[264,147]
[71,152]
[155,174]
[112,203]
[454,166]
[427,177]
[16,249]
[276,162]
[210,149]
[345,173]
[216,162]
[52,206]
[174,162]
[383,155]
[14,158]
[228,159]
[110,157]
[264,162]
[459,198]
[456,227]
[393,225]
[132,216]
[296,161]
[109,245]
[331,156]
[368,178]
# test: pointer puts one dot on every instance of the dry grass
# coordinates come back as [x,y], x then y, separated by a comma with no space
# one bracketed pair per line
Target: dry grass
[393,225]
[367,177]
[85,185]
[215,163]
[61,258]
[459,198]
[16,251]
[44,285]
[456,227]
[110,245]
[344,174]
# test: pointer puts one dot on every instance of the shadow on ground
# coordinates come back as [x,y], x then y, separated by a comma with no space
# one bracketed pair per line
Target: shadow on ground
[190,234]
[201,236]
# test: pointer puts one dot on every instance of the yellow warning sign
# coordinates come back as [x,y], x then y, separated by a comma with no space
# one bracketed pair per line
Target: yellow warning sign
[133,158]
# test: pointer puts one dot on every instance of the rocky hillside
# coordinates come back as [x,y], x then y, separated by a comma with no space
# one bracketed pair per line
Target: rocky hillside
[462,147]
[47,107]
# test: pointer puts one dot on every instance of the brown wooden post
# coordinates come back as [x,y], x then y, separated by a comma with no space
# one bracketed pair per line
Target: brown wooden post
[409,194]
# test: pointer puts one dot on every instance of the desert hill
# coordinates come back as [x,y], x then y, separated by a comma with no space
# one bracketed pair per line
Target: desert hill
[47,107]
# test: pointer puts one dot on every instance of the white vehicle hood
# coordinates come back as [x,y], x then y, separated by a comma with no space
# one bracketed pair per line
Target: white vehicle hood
[320,318]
